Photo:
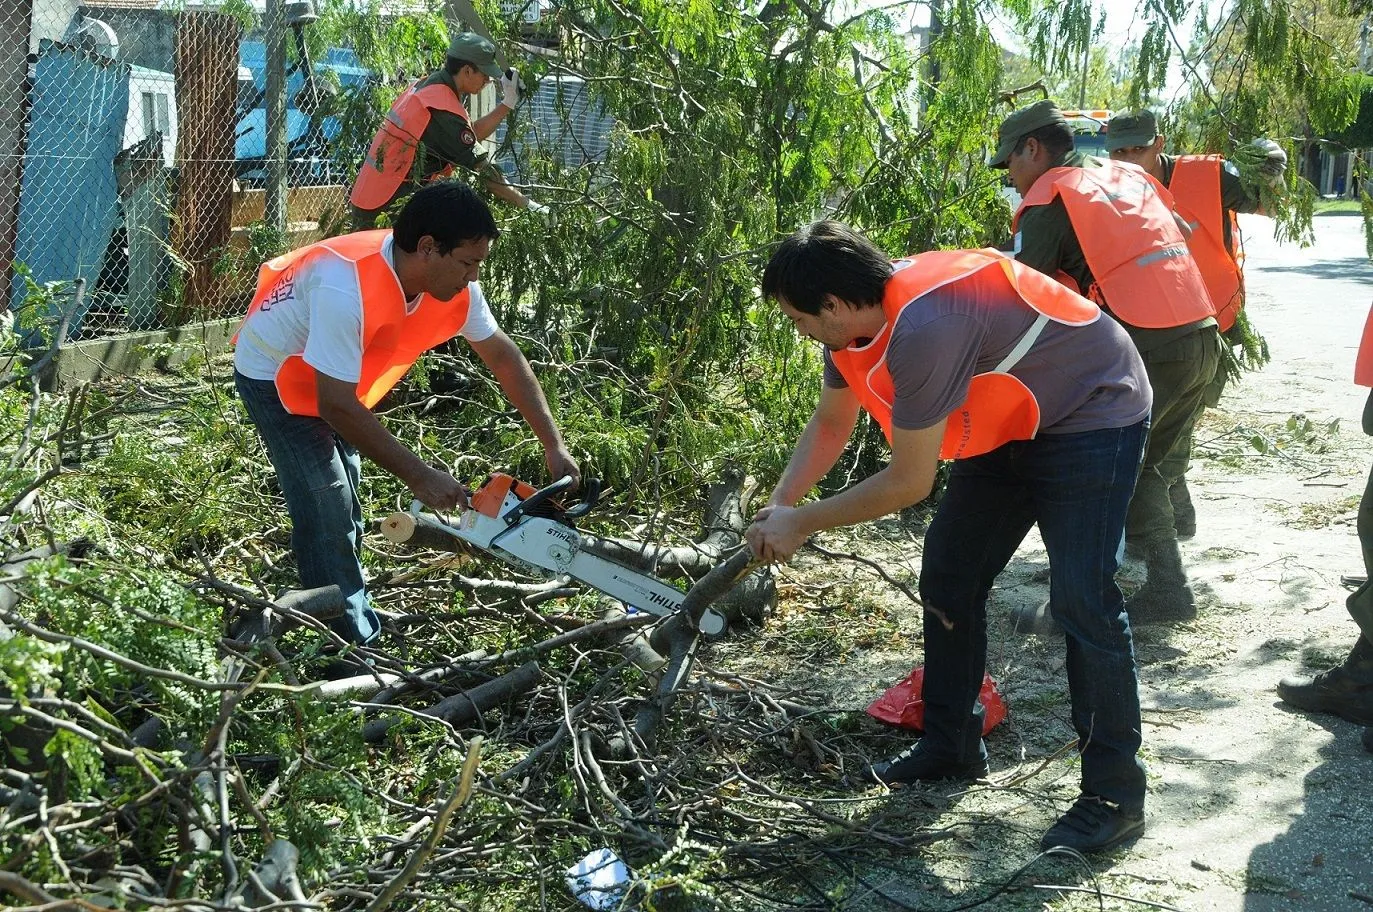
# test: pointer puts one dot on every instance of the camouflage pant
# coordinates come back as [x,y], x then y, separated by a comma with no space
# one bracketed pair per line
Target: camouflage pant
[1180,373]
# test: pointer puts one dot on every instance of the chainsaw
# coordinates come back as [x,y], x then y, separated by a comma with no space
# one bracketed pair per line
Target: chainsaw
[531,530]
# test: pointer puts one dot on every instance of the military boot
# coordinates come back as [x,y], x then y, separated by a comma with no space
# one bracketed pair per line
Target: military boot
[1165,597]
[1345,690]
[1184,514]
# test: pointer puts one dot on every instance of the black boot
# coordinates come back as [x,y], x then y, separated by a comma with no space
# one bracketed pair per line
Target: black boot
[918,764]
[1345,690]
[1184,514]
[1165,597]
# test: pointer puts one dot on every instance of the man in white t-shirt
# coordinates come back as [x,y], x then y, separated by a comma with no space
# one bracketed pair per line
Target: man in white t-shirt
[332,327]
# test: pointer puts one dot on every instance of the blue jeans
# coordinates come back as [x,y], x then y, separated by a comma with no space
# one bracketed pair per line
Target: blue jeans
[1078,488]
[319,473]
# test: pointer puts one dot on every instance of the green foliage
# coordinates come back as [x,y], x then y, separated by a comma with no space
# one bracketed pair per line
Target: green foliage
[1358,134]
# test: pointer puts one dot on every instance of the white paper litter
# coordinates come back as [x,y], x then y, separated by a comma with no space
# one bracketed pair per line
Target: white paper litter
[599,880]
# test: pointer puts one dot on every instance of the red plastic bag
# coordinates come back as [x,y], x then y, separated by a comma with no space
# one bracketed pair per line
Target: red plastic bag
[902,705]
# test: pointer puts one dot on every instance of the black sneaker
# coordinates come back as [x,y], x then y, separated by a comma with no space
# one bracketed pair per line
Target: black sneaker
[917,764]
[1093,824]
[1347,695]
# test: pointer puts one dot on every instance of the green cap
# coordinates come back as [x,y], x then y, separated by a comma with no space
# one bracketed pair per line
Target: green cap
[1025,120]
[476,50]
[1133,128]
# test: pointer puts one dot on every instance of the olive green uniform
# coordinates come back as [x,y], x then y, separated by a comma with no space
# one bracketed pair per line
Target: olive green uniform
[1233,198]
[1180,361]
[448,140]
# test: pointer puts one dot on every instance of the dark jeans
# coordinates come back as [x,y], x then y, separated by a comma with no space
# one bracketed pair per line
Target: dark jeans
[1360,603]
[319,473]
[1077,487]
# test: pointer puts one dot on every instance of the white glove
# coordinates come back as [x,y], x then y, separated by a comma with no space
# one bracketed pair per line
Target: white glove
[536,208]
[510,88]
[1275,160]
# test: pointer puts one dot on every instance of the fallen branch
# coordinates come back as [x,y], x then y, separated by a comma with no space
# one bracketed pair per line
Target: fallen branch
[431,842]
[465,707]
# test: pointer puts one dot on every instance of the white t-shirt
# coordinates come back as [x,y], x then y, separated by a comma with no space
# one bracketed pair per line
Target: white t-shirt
[316,312]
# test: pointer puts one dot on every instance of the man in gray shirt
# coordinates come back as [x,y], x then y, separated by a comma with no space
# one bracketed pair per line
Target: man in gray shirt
[1044,406]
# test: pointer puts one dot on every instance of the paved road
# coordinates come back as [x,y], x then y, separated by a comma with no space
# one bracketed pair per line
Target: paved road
[1259,808]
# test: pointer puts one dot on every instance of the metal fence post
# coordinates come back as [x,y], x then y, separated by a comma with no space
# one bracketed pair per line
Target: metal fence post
[274,26]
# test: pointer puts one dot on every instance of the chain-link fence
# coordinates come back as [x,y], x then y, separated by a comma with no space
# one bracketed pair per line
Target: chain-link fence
[137,153]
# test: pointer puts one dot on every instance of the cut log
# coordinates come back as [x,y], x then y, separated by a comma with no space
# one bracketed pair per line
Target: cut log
[422,530]
[323,604]
[461,709]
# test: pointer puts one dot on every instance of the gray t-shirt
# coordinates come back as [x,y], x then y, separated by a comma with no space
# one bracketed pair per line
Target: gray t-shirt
[1085,378]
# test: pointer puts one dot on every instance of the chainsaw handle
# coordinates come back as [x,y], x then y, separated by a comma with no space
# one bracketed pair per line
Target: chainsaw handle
[590,497]
[538,497]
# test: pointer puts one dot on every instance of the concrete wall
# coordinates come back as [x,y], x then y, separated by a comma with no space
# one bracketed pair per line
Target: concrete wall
[147,38]
[133,353]
[51,19]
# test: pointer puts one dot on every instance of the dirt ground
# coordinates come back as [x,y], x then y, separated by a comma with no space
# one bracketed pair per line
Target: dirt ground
[1252,806]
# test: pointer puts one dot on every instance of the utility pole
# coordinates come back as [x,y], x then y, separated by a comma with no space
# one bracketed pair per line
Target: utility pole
[1082,87]
[1363,43]
[936,30]
[274,25]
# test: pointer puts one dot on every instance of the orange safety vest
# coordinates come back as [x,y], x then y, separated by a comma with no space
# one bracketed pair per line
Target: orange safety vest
[393,335]
[1363,362]
[1196,190]
[999,408]
[1140,263]
[392,152]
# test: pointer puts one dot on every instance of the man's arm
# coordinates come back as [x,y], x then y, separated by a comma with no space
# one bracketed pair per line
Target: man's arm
[505,360]
[1235,196]
[485,125]
[777,532]
[509,86]
[494,179]
[822,442]
[449,140]
[1046,242]
[339,406]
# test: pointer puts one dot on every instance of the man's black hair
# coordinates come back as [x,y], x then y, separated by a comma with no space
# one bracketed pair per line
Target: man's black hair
[450,212]
[827,258]
[1056,138]
[454,65]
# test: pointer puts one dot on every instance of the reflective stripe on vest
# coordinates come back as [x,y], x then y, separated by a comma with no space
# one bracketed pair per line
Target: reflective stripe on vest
[999,407]
[392,152]
[393,336]
[1196,191]
[1123,220]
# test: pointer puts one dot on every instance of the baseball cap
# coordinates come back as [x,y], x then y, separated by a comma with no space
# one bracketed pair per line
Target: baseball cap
[1133,128]
[476,50]
[1023,121]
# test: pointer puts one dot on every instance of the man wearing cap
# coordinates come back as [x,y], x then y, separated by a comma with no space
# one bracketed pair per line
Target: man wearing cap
[1107,229]
[427,133]
[1208,193]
